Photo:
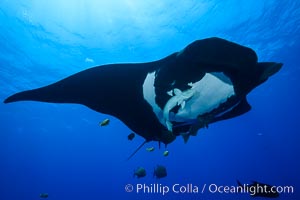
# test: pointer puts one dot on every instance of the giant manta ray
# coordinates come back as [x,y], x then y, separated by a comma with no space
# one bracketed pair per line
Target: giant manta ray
[206,82]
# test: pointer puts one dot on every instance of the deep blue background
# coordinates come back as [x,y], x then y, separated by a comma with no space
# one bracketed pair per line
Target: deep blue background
[61,150]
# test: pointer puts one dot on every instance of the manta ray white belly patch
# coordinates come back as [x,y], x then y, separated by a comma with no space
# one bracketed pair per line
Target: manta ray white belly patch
[149,95]
[209,93]
[203,96]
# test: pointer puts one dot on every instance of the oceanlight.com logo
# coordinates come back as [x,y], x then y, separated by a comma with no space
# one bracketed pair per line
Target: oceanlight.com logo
[189,188]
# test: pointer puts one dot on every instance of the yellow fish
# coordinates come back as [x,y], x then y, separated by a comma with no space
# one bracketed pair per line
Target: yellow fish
[104,122]
[166,153]
[150,149]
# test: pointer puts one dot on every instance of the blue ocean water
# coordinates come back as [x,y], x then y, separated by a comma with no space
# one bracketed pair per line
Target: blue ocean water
[61,150]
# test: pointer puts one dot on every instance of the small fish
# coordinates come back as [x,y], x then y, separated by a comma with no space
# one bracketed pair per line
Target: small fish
[140,172]
[150,149]
[166,153]
[104,122]
[44,195]
[160,172]
[266,192]
[131,136]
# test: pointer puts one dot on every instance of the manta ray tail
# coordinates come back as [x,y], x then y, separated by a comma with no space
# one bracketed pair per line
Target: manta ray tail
[137,150]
